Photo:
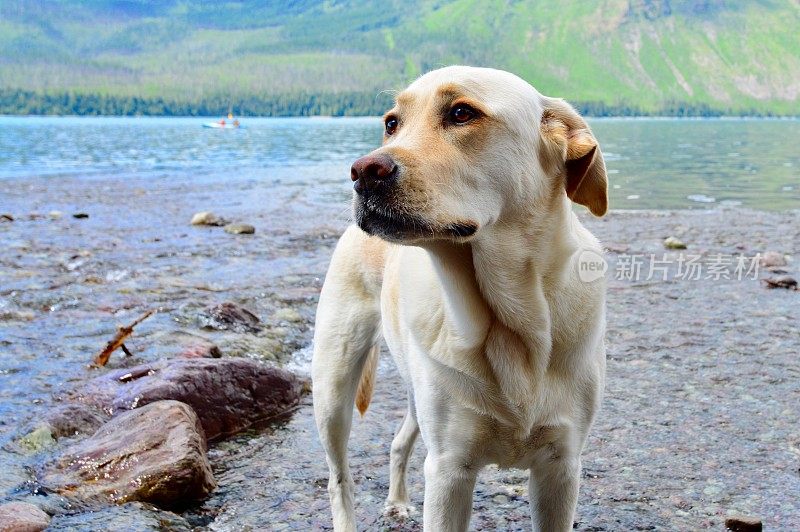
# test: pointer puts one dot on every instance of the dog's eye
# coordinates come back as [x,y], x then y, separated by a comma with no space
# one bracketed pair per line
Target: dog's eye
[461,114]
[391,125]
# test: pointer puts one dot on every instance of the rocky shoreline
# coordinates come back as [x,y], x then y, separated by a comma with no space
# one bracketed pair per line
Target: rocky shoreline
[700,419]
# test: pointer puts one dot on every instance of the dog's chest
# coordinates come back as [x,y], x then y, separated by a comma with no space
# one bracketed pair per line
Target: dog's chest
[494,374]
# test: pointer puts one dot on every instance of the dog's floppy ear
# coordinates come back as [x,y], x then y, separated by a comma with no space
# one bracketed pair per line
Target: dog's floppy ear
[569,146]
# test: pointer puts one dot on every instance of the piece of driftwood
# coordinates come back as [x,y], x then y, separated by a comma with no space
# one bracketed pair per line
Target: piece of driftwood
[119,339]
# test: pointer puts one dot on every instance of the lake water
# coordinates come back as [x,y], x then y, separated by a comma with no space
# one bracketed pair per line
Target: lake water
[652,163]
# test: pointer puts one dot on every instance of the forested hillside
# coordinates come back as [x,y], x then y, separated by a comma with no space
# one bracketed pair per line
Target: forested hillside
[301,57]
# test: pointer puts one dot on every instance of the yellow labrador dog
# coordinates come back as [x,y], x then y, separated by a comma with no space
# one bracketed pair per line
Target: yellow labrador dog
[466,260]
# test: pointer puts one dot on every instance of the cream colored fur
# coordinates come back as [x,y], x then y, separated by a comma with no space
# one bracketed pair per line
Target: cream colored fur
[498,339]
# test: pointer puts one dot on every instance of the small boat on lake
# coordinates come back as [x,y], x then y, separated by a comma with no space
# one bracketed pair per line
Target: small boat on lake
[231,123]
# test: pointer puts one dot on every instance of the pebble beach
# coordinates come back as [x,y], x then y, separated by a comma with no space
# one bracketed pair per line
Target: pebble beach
[700,418]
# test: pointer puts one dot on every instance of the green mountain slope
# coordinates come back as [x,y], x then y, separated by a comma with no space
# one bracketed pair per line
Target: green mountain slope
[648,56]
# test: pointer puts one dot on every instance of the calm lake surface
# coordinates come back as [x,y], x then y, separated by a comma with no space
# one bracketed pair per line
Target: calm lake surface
[653,163]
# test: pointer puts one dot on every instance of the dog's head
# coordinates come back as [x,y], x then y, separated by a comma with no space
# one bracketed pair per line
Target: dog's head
[465,148]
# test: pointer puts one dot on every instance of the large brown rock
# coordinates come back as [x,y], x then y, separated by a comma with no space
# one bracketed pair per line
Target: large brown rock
[228,394]
[22,517]
[156,454]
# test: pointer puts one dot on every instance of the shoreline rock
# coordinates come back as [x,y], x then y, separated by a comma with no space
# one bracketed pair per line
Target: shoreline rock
[229,316]
[156,453]
[240,229]
[129,516]
[772,259]
[208,218]
[673,243]
[22,517]
[781,281]
[743,523]
[228,394]
[72,419]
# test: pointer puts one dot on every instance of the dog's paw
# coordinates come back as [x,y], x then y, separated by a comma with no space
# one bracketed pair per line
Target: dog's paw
[398,510]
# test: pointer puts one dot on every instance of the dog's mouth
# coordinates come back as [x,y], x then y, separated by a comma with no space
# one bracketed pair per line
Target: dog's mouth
[401,227]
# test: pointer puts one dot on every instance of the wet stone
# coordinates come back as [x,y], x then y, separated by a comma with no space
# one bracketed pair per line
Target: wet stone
[207,218]
[156,453]
[781,281]
[71,419]
[240,229]
[673,243]
[287,314]
[229,317]
[743,523]
[772,259]
[131,516]
[228,394]
[200,350]
[22,517]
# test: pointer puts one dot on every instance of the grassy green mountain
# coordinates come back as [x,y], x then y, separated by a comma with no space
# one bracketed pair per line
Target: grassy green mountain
[334,57]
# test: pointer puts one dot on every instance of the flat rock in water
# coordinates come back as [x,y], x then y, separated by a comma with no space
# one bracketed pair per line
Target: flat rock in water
[156,454]
[132,516]
[22,517]
[70,419]
[207,218]
[229,317]
[228,394]
[240,229]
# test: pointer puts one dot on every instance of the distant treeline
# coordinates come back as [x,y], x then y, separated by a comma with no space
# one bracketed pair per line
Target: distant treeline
[21,102]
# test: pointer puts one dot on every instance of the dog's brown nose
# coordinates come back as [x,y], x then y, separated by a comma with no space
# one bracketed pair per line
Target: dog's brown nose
[371,171]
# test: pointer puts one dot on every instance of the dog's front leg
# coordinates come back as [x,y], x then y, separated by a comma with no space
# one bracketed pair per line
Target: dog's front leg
[553,491]
[336,369]
[347,329]
[449,483]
